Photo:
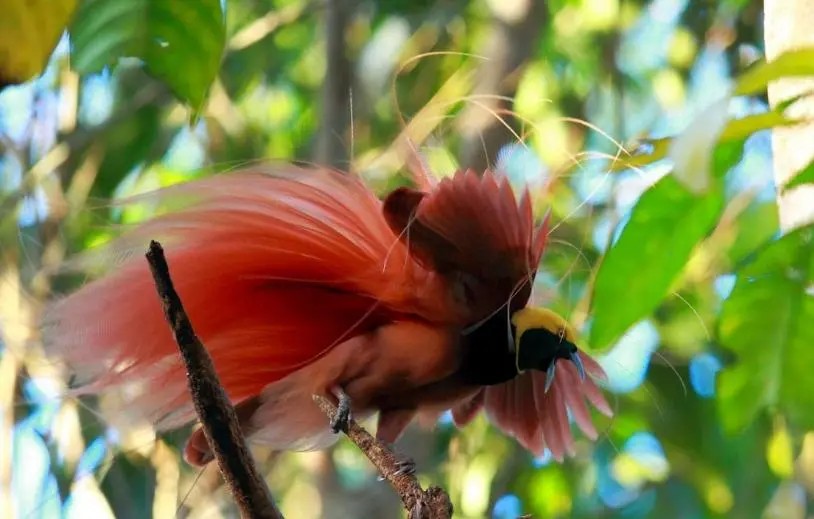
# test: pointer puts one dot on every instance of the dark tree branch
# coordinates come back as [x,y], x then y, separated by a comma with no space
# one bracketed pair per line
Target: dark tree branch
[332,149]
[433,503]
[511,44]
[214,410]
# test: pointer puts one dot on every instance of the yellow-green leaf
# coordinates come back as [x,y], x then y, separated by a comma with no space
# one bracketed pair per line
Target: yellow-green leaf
[804,176]
[779,452]
[29,31]
[647,152]
[794,63]
[742,128]
[652,150]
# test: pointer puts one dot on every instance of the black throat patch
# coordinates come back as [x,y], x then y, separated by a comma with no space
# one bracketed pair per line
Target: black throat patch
[488,358]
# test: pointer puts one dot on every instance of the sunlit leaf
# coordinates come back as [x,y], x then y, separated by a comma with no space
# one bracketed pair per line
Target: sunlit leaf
[647,152]
[799,62]
[804,176]
[653,150]
[180,42]
[29,31]
[766,322]
[785,104]
[637,272]
[779,451]
[746,126]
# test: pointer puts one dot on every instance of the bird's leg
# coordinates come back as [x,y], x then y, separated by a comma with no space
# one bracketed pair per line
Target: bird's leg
[341,419]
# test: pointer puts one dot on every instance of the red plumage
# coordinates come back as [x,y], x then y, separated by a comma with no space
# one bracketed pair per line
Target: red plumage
[299,280]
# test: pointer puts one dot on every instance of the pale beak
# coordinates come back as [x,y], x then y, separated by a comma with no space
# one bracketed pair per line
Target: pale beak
[552,370]
[549,375]
[575,358]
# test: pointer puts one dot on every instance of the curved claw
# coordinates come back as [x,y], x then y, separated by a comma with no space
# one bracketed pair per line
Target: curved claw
[578,363]
[549,375]
[340,421]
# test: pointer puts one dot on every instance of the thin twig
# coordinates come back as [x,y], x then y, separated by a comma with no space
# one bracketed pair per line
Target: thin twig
[215,412]
[433,503]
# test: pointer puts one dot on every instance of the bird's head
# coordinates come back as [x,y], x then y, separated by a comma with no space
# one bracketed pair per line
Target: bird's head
[542,338]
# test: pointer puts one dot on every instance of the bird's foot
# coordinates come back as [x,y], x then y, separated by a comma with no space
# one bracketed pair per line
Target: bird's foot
[405,465]
[340,421]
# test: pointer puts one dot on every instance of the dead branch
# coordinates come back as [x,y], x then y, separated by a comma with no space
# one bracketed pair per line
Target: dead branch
[215,412]
[433,503]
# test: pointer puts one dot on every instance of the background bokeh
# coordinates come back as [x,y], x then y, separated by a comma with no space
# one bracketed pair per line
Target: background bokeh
[547,96]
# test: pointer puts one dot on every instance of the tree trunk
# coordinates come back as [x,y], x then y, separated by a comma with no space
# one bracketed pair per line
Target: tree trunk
[516,29]
[788,25]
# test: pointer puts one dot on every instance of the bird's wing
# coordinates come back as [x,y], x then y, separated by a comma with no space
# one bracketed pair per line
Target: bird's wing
[474,232]
[274,269]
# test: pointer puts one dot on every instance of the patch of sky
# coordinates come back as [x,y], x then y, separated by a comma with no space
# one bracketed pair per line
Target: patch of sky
[593,183]
[606,231]
[507,506]
[646,44]
[96,98]
[621,483]
[187,152]
[33,486]
[10,173]
[545,459]
[723,285]
[627,361]
[16,109]
[704,369]
[33,209]
[521,165]
[646,449]
[92,458]
[44,403]
[755,170]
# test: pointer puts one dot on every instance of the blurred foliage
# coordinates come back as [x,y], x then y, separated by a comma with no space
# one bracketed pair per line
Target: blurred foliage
[665,251]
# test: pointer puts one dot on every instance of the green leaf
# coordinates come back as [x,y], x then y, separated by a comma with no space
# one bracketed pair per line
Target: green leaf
[29,31]
[804,176]
[652,150]
[638,271]
[766,322]
[754,227]
[129,487]
[742,128]
[180,42]
[647,152]
[726,155]
[793,63]
[125,145]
